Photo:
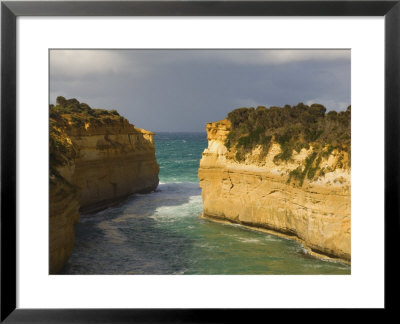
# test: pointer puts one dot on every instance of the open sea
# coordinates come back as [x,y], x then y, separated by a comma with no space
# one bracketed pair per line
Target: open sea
[162,232]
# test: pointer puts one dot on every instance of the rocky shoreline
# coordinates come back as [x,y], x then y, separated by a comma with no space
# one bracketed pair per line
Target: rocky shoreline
[257,228]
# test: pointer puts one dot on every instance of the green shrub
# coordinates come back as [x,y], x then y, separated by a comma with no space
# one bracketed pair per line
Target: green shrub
[85,106]
[61,101]
[107,120]
[77,122]
[285,155]
[293,127]
[312,171]
[296,174]
[73,106]
[299,173]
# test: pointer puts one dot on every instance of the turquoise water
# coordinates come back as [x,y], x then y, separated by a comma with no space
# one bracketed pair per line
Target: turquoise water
[162,233]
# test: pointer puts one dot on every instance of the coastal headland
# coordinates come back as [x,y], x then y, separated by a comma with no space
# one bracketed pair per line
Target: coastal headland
[282,170]
[97,159]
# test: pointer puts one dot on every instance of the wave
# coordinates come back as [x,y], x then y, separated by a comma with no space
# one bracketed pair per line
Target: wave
[249,240]
[177,200]
[184,187]
[192,208]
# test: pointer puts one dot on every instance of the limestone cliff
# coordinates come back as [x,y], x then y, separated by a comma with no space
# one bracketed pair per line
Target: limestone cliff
[64,199]
[113,162]
[306,196]
[97,159]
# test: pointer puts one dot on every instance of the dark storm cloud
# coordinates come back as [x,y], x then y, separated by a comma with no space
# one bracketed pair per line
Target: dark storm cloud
[167,90]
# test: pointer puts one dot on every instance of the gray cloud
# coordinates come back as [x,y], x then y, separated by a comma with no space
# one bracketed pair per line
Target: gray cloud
[181,90]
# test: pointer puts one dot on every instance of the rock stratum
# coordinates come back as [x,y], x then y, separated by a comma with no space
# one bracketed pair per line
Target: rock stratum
[97,159]
[247,178]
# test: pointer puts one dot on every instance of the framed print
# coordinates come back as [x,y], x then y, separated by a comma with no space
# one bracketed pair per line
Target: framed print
[194,152]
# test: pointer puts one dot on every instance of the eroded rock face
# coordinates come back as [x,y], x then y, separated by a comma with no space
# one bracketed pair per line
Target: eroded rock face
[64,214]
[113,165]
[258,192]
[109,162]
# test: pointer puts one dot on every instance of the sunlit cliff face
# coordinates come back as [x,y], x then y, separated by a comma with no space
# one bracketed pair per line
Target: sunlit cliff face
[95,162]
[261,192]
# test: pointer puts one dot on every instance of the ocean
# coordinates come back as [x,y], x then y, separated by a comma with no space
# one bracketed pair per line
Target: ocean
[162,232]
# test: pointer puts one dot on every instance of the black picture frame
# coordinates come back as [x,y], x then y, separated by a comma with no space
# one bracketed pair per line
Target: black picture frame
[10,10]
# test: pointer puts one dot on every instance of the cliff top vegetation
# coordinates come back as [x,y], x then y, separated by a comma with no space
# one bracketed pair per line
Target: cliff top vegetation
[78,113]
[294,128]
[70,114]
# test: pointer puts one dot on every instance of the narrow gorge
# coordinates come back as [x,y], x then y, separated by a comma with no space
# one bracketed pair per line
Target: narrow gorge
[97,159]
[282,170]
[263,191]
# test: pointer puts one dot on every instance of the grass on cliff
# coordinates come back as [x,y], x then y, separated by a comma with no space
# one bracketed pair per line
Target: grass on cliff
[310,169]
[62,115]
[81,113]
[61,150]
[294,128]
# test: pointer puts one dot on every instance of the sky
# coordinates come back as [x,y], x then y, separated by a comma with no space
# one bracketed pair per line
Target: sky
[182,90]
